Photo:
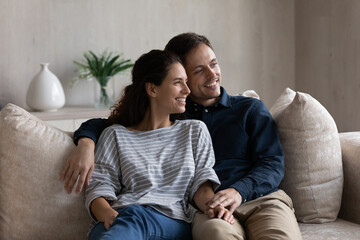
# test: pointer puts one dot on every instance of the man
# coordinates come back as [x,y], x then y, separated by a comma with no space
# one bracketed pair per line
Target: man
[249,156]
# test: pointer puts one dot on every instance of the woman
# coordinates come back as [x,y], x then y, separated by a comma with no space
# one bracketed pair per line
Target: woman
[148,168]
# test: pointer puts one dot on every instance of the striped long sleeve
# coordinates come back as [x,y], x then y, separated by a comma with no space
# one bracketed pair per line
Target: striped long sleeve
[161,168]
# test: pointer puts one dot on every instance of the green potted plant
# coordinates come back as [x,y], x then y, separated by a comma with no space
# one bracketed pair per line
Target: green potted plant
[102,68]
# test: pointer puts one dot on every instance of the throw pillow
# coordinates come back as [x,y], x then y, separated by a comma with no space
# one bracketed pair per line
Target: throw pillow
[313,165]
[33,202]
[250,93]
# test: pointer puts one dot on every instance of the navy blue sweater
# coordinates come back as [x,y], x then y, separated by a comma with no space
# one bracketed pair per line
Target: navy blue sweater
[248,152]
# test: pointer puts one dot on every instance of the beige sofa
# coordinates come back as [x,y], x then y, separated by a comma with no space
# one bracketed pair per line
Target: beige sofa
[321,174]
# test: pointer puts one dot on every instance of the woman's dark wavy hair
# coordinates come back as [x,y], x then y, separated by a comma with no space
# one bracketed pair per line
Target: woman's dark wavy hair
[151,67]
[183,43]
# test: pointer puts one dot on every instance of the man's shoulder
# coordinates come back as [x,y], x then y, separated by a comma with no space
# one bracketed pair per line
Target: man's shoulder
[245,101]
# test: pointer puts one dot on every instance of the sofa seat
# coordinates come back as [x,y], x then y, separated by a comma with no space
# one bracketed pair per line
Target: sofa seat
[340,229]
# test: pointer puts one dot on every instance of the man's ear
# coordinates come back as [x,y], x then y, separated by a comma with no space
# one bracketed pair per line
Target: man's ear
[150,89]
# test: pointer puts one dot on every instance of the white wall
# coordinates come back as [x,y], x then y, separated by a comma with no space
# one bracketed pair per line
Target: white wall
[328,57]
[253,39]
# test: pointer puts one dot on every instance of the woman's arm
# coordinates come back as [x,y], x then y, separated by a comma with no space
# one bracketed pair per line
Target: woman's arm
[101,209]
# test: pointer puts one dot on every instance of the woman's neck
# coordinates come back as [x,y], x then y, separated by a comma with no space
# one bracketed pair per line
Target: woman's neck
[152,121]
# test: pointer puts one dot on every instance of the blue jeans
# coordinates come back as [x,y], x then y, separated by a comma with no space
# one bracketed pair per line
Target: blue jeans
[137,222]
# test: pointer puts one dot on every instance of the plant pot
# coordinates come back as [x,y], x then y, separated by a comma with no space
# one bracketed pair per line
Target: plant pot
[104,92]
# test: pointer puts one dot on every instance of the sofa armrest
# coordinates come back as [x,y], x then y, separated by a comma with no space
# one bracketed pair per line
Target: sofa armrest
[350,148]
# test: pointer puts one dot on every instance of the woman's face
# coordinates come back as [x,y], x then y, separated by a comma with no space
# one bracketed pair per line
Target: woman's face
[170,96]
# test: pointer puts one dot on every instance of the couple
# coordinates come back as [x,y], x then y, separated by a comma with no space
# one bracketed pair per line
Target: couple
[248,157]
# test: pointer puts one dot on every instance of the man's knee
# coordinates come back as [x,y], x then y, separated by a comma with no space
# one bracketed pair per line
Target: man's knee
[215,229]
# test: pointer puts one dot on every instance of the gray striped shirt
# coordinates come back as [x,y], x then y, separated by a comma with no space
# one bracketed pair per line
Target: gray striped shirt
[161,168]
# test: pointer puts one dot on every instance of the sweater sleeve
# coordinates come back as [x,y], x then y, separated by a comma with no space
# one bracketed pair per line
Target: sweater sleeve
[204,160]
[90,129]
[105,179]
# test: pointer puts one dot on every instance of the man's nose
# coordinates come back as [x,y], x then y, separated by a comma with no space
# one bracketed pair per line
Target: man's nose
[210,72]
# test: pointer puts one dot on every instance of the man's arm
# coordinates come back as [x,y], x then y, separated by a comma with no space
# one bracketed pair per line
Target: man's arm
[90,129]
[80,164]
[267,157]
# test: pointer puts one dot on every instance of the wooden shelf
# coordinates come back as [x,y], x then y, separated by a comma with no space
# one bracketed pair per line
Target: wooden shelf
[73,112]
[71,117]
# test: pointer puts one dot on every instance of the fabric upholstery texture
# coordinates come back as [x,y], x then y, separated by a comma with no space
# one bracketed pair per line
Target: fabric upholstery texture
[340,229]
[250,93]
[313,164]
[350,204]
[32,197]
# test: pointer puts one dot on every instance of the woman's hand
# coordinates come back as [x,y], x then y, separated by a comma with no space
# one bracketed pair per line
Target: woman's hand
[108,217]
[103,211]
[221,213]
[79,166]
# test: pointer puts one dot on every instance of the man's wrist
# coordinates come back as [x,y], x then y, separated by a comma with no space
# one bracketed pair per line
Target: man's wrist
[86,141]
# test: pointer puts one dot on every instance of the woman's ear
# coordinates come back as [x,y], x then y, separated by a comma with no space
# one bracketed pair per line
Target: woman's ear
[150,89]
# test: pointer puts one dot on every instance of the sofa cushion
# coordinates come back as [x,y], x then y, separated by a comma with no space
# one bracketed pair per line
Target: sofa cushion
[33,202]
[350,149]
[340,229]
[313,166]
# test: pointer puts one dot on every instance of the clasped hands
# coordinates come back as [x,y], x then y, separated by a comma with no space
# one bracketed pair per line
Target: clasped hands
[223,204]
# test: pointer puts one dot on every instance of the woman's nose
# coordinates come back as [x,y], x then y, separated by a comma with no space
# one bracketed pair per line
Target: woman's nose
[186,89]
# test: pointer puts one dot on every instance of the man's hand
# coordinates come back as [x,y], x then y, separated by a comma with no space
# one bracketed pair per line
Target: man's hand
[221,213]
[227,198]
[79,165]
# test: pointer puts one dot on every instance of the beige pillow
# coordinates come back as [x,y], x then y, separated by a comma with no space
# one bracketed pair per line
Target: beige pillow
[350,148]
[313,164]
[33,202]
[250,93]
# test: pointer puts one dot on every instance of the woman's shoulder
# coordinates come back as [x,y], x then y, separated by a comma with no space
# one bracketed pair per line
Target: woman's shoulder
[192,125]
[113,128]
[192,122]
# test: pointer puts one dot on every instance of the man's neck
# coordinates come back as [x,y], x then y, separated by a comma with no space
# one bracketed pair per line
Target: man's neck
[205,102]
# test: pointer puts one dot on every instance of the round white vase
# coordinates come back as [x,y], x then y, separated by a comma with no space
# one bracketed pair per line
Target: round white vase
[45,92]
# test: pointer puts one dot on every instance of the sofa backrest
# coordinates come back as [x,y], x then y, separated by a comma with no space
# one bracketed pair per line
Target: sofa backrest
[33,202]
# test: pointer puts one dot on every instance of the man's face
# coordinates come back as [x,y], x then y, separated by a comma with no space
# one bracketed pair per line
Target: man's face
[204,75]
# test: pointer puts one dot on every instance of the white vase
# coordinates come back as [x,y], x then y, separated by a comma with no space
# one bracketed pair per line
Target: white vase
[45,92]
